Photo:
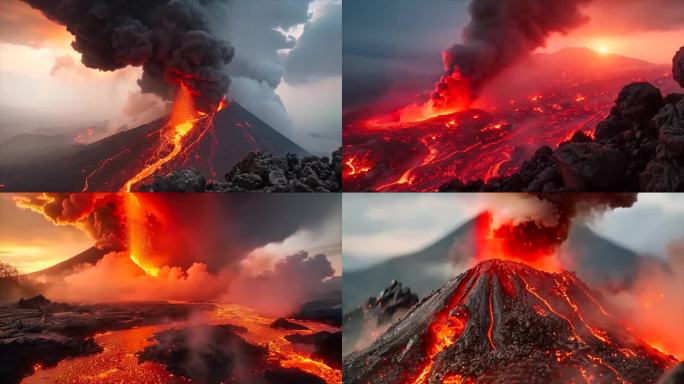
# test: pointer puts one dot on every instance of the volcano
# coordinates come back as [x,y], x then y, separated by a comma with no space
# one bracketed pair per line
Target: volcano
[213,145]
[542,101]
[505,322]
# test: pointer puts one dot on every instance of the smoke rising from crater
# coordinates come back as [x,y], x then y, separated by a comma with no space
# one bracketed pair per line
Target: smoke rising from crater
[171,40]
[501,33]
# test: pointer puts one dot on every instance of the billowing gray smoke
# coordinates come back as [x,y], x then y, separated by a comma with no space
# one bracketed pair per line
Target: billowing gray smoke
[171,40]
[500,33]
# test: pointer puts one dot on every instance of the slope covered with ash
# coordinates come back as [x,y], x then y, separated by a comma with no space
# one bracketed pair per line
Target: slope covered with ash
[365,322]
[107,164]
[504,322]
[638,147]
[260,172]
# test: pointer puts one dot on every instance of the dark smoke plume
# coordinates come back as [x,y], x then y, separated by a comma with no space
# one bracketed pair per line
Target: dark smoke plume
[171,40]
[99,214]
[543,221]
[499,34]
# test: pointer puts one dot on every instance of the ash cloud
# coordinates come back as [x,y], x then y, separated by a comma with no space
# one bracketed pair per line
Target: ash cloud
[293,280]
[501,33]
[99,215]
[171,40]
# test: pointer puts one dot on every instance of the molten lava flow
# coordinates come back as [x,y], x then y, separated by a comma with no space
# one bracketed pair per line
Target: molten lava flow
[280,350]
[183,117]
[445,329]
[138,236]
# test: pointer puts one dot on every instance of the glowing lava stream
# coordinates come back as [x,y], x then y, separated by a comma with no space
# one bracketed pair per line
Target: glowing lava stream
[182,120]
[118,363]
[137,236]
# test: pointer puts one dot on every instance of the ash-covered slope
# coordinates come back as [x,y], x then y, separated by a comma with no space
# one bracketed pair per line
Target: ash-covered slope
[89,256]
[505,322]
[107,164]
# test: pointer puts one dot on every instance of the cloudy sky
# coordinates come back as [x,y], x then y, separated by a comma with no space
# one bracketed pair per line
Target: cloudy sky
[215,229]
[379,226]
[287,71]
[394,46]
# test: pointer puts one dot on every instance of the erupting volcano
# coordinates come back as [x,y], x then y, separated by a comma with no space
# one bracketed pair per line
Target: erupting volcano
[499,99]
[503,322]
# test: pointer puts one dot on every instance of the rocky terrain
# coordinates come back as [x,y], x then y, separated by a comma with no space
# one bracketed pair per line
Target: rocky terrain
[260,172]
[327,346]
[505,322]
[638,147]
[37,331]
[282,323]
[365,323]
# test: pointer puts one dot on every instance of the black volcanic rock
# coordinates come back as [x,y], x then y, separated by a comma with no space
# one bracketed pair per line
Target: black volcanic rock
[260,172]
[505,322]
[665,172]
[678,66]
[282,323]
[208,354]
[361,324]
[674,375]
[589,166]
[327,346]
[291,376]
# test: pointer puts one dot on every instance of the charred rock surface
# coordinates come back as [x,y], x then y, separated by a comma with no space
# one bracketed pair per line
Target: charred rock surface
[283,323]
[260,172]
[327,346]
[291,376]
[377,313]
[326,311]
[37,331]
[638,147]
[207,354]
[504,322]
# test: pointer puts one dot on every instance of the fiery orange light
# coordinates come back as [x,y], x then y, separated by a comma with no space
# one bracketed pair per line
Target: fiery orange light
[138,242]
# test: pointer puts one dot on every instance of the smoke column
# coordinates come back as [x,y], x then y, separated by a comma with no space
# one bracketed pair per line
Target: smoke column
[171,40]
[499,34]
[531,227]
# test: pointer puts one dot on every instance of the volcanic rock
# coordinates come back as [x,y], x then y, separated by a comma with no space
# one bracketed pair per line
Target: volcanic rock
[376,315]
[260,172]
[291,376]
[327,346]
[590,166]
[38,331]
[182,180]
[666,171]
[505,322]
[678,66]
[208,354]
[282,323]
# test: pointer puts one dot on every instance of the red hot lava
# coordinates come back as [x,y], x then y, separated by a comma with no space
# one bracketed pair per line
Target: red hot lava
[445,138]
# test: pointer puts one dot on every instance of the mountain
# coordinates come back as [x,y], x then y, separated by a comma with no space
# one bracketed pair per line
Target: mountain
[426,270]
[89,256]
[107,164]
[506,322]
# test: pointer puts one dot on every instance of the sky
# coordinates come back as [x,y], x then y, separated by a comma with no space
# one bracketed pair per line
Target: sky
[381,226]
[212,229]
[392,46]
[287,71]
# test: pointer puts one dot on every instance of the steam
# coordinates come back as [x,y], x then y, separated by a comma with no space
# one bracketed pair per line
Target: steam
[98,214]
[498,35]
[171,40]
[282,290]
[655,298]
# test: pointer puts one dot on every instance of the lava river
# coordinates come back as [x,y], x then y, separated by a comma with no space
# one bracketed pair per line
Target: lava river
[476,143]
[118,362]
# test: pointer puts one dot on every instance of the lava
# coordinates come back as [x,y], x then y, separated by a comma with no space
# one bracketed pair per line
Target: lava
[139,240]
[181,122]
[118,362]
[484,139]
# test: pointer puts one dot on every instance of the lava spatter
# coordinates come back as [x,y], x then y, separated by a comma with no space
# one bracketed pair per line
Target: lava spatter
[519,320]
